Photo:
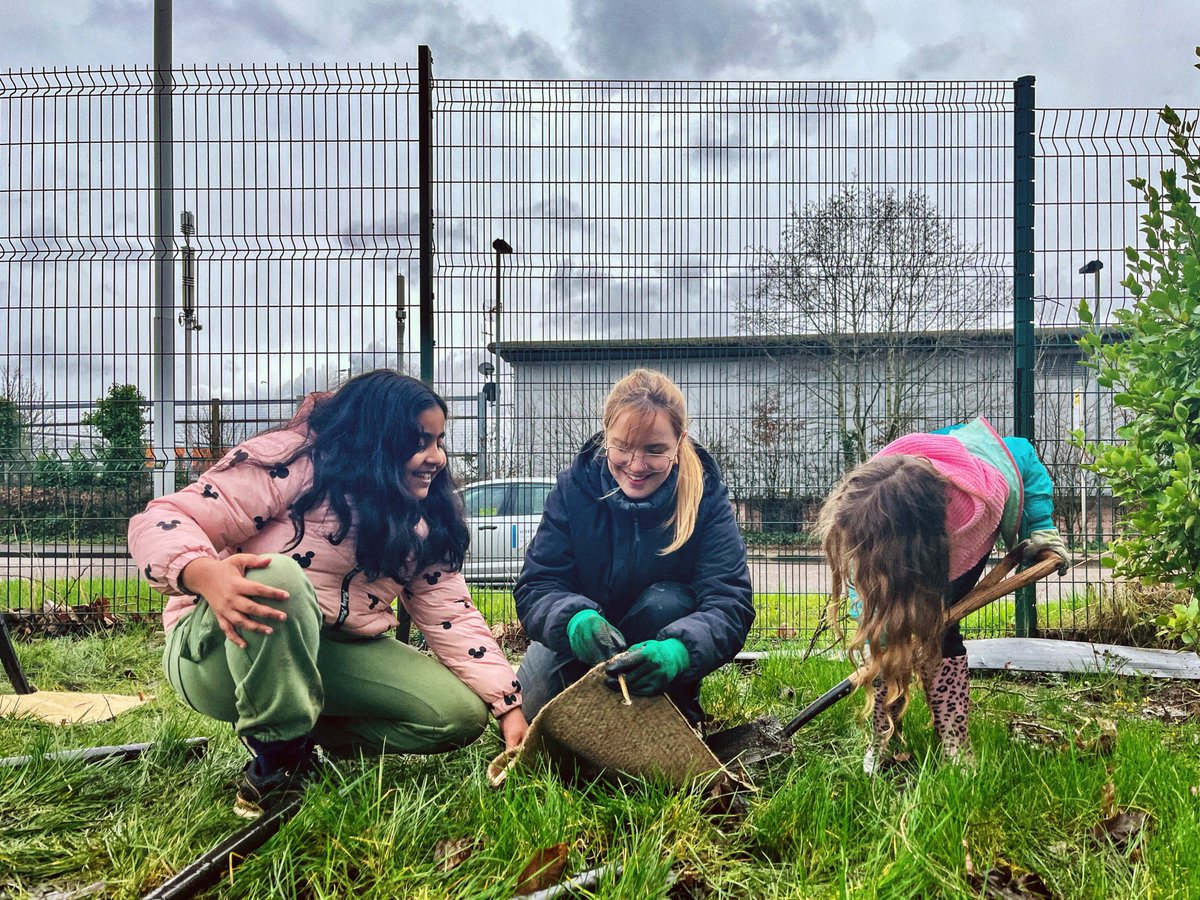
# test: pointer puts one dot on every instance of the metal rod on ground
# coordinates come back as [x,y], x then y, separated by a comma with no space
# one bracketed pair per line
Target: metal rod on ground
[208,869]
[12,664]
[118,752]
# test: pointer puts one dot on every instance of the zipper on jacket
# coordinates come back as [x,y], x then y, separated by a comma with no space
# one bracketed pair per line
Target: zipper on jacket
[344,609]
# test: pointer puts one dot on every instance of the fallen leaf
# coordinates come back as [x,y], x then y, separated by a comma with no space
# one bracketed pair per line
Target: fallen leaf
[1108,799]
[1004,882]
[1037,733]
[545,869]
[510,636]
[689,885]
[449,854]
[724,801]
[1103,742]
[1122,829]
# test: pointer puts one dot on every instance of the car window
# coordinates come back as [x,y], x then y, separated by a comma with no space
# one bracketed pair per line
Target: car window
[528,499]
[483,500]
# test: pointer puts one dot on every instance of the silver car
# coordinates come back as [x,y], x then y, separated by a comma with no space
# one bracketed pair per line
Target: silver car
[502,516]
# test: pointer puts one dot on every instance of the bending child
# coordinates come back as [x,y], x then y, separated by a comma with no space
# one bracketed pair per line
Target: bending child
[907,534]
[638,557]
[281,564]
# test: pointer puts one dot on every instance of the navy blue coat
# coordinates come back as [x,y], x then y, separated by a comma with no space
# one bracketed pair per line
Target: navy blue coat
[592,553]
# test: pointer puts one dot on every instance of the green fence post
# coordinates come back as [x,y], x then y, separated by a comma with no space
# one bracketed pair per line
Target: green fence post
[425,204]
[1023,263]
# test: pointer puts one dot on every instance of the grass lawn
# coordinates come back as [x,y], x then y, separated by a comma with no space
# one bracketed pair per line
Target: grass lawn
[815,826]
[780,617]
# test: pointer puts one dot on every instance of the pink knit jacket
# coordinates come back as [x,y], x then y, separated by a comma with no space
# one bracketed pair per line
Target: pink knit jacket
[976,491]
[243,508]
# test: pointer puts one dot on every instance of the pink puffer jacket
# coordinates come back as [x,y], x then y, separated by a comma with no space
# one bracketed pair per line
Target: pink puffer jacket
[977,490]
[243,508]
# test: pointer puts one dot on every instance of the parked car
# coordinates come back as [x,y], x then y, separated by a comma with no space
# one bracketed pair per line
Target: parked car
[502,516]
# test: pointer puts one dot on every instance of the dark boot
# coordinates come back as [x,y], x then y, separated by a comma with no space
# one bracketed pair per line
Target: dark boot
[947,692]
[280,770]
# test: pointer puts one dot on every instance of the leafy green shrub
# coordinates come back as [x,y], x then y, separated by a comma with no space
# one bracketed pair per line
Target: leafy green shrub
[1182,623]
[1155,372]
[776,538]
[120,418]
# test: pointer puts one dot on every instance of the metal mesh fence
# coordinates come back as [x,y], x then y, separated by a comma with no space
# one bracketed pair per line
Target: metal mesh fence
[1087,214]
[820,266]
[293,207]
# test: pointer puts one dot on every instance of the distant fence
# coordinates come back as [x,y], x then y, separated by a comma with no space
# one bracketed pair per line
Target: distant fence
[715,230]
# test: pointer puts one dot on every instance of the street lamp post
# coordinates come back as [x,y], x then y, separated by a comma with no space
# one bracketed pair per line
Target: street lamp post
[187,318]
[502,248]
[1093,267]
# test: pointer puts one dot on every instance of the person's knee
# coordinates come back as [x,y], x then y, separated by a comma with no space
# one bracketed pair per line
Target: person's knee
[282,572]
[464,719]
[285,573]
[656,607]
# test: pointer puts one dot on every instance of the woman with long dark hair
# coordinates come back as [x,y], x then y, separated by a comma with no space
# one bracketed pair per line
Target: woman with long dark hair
[282,564]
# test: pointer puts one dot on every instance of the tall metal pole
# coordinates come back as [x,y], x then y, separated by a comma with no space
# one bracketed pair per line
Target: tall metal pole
[425,201]
[1024,148]
[401,319]
[163,338]
[187,318]
[1099,507]
[499,316]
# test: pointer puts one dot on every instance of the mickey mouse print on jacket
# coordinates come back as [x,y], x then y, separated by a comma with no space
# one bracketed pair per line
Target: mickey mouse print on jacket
[241,506]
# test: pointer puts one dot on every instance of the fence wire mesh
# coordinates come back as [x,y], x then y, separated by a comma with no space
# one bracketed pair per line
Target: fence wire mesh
[820,266]
[292,240]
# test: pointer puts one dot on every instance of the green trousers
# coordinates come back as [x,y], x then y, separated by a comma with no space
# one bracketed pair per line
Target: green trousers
[369,695]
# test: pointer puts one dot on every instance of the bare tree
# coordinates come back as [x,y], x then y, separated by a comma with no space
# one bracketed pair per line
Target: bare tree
[883,286]
[28,401]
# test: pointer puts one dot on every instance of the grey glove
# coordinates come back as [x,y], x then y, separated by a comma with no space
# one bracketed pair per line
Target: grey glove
[1048,539]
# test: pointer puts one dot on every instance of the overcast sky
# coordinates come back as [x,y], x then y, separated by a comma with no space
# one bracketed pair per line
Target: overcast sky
[1083,52]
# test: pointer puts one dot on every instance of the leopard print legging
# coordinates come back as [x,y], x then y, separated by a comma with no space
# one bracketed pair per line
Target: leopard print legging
[947,693]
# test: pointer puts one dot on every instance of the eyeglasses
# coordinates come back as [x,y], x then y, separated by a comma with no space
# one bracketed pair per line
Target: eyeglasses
[655,462]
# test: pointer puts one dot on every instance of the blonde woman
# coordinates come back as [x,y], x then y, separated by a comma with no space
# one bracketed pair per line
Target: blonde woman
[638,559]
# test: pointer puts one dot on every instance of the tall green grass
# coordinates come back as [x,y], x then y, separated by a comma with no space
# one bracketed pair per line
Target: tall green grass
[815,826]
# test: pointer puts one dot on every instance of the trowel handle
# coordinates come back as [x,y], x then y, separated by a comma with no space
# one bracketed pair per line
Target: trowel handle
[843,688]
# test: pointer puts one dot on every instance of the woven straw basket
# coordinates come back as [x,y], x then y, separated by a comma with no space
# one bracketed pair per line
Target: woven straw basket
[588,732]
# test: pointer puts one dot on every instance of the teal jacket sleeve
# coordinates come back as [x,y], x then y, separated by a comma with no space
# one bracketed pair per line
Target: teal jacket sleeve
[1039,489]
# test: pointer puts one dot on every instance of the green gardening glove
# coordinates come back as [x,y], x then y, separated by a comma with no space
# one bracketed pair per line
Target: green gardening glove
[1048,539]
[592,638]
[648,667]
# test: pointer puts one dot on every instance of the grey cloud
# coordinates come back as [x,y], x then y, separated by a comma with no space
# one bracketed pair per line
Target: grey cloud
[932,60]
[462,47]
[710,38]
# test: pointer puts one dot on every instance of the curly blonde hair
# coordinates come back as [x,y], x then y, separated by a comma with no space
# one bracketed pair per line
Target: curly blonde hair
[883,531]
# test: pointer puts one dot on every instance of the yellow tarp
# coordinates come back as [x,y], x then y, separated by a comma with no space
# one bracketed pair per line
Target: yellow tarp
[63,707]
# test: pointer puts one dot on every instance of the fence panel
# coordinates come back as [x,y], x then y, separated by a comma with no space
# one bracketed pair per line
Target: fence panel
[294,269]
[714,230]
[1087,214]
[820,266]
